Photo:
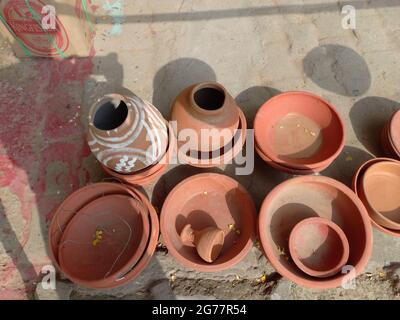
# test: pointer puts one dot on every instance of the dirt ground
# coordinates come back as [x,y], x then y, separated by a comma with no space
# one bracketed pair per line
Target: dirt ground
[256,49]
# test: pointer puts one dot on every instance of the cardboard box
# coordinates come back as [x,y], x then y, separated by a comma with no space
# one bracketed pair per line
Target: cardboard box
[26,26]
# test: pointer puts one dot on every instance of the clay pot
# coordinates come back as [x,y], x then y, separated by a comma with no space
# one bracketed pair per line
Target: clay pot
[219,157]
[104,239]
[318,247]
[299,130]
[394,132]
[126,134]
[297,172]
[356,184]
[313,196]
[209,200]
[77,200]
[203,107]
[380,187]
[148,175]
[208,242]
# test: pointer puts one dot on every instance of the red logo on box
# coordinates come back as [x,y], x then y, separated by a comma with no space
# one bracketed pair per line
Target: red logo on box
[24,25]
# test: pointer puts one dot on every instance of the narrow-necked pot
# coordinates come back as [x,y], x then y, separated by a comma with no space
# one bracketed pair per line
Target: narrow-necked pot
[313,196]
[356,185]
[319,247]
[125,133]
[221,156]
[299,130]
[205,106]
[209,200]
[150,174]
[380,186]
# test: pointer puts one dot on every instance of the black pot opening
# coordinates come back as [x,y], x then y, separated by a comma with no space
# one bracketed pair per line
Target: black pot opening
[209,98]
[109,117]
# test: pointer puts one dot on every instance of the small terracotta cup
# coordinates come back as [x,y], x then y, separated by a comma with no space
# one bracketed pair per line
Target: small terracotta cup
[318,247]
[380,188]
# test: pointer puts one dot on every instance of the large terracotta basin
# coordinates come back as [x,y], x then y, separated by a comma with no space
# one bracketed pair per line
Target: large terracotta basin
[299,130]
[313,196]
[209,200]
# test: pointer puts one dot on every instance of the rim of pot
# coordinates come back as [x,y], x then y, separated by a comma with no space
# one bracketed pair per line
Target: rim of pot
[317,283]
[101,102]
[208,85]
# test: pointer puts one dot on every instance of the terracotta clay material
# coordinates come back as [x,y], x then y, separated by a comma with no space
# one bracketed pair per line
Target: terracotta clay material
[318,247]
[380,188]
[208,242]
[386,144]
[299,130]
[313,196]
[297,172]
[203,107]
[69,207]
[104,240]
[394,132]
[209,200]
[126,134]
[150,174]
[356,184]
[218,157]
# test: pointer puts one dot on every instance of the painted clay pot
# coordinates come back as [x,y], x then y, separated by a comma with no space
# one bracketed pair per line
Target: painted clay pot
[219,157]
[380,188]
[207,114]
[299,130]
[150,174]
[77,200]
[306,197]
[356,185]
[318,247]
[209,200]
[126,134]
[104,240]
[208,242]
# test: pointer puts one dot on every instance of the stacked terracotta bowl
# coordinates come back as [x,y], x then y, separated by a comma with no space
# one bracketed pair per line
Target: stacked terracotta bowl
[298,133]
[390,138]
[130,138]
[377,183]
[209,127]
[208,222]
[103,235]
[315,231]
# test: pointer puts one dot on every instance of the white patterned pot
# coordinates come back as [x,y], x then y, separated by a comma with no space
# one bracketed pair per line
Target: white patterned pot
[126,134]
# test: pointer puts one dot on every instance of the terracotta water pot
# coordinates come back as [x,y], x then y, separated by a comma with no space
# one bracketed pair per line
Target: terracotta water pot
[380,187]
[208,241]
[318,247]
[356,184]
[313,196]
[77,200]
[126,134]
[104,240]
[150,174]
[209,200]
[299,130]
[205,106]
[221,156]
